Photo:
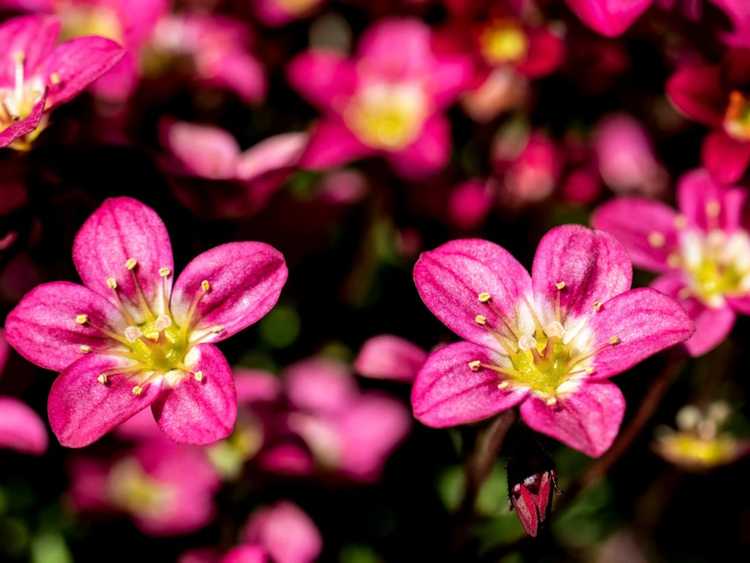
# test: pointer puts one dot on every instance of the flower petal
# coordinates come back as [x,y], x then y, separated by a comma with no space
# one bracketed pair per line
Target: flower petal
[447,392]
[587,420]
[33,36]
[77,63]
[208,152]
[712,325]
[608,17]
[200,412]
[332,144]
[696,91]
[726,158]
[323,78]
[645,227]
[43,328]
[21,428]
[428,154]
[320,386]
[245,280]
[708,204]
[121,229]
[390,357]
[288,534]
[81,409]
[245,554]
[450,278]
[644,322]
[592,265]
[24,126]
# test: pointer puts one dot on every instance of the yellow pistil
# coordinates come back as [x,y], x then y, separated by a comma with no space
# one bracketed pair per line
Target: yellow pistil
[503,41]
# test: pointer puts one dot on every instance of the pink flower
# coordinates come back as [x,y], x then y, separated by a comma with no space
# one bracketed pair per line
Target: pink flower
[36,76]
[390,357]
[286,532]
[548,341]
[166,488]
[216,178]
[702,252]
[127,339]
[470,203]
[714,95]
[280,12]
[385,101]
[609,17]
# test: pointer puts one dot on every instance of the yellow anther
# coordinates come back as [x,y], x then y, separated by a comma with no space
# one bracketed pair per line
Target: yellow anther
[111,283]
[474,365]
[614,340]
[597,305]
[152,335]
[165,272]
[680,222]
[82,319]
[713,208]
[137,390]
[131,263]
[84,348]
[484,297]
[656,239]
[102,378]
[503,385]
[198,375]
[54,78]
[551,401]
[560,285]
[205,286]
[480,320]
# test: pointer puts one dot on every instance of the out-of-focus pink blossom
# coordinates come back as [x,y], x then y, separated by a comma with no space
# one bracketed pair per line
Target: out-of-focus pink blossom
[609,17]
[626,158]
[389,357]
[548,342]
[581,185]
[286,532]
[166,488]
[469,203]
[383,101]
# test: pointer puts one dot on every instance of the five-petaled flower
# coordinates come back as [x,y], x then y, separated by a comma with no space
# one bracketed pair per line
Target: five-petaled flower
[548,341]
[127,339]
[702,252]
[36,76]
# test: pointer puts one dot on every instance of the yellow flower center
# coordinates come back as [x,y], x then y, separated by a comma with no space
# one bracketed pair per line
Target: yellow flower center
[737,117]
[503,41]
[132,490]
[388,116]
[80,21]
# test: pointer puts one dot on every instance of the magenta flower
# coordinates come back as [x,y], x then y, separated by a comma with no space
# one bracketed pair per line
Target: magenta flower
[36,76]
[609,17]
[390,357]
[166,488]
[20,427]
[127,339]
[714,95]
[385,101]
[548,341]
[702,252]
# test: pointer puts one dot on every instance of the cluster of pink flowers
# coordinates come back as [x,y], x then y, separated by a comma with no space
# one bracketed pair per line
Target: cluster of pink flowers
[438,133]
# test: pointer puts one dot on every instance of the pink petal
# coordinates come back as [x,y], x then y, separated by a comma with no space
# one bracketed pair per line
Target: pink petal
[81,410]
[712,325]
[332,144]
[546,53]
[88,484]
[139,18]
[644,321]
[240,72]
[245,554]
[120,229]
[428,154]
[390,357]
[200,412]
[204,151]
[726,158]
[645,227]
[43,328]
[34,36]
[323,78]
[320,385]
[447,392]
[255,385]
[450,278]
[279,153]
[696,92]
[609,17]
[286,532]
[452,75]
[78,63]
[414,57]
[697,193]
[592,265]
[587,420]
[245,280]
[21,428]
[4,350]
[24,126]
